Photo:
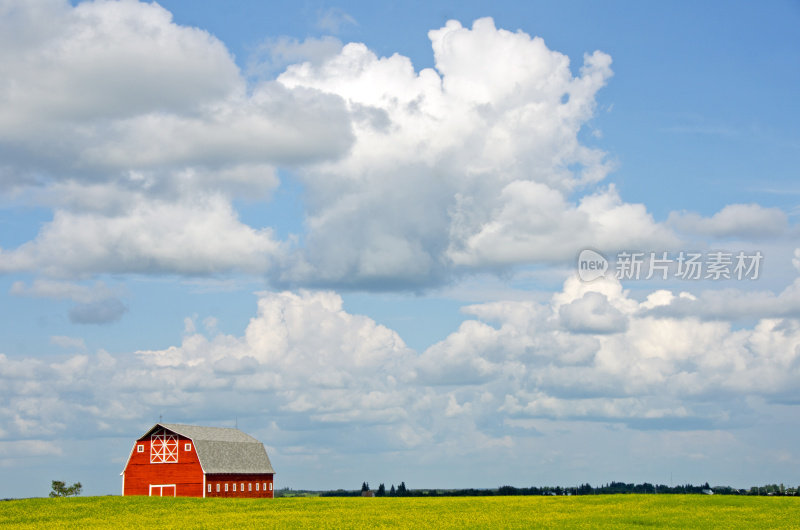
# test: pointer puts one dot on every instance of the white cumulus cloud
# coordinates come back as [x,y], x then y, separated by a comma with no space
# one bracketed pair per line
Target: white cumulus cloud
[140,133]
[198,236]
[468,165]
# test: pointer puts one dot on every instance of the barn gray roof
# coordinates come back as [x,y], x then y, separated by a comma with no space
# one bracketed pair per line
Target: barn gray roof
[223,450]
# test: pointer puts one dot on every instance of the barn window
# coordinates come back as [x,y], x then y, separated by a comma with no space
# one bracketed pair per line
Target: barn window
[234,486]
[242,486]
[140,448]
[226,487]
[163,447]
[257,485]
[187,447]
[209,488]
[270,486]
[217,487]
[265,486]
[250,486]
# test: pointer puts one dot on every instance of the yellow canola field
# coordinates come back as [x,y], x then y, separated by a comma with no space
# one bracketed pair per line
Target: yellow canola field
[600,511]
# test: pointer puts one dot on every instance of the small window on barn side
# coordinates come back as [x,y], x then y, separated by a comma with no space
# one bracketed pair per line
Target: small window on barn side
[187,447]
[140,448]
[250,487]
[209,488]
[257,485]
[218,487]
[226,486]
[265,486]
[270,486]
[234,486]
[242,486]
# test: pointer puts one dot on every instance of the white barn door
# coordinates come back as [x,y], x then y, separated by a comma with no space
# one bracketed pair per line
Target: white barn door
[162,490]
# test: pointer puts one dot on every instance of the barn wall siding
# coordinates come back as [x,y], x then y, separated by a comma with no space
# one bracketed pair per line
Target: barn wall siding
[187,474]
[249,481]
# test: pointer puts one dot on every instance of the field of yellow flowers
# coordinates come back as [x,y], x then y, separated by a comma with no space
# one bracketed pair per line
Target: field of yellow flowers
[601,511]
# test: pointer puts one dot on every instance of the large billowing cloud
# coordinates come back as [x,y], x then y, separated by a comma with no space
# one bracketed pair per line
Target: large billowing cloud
[133,128]
[466,166]
[140,133]
[109,87]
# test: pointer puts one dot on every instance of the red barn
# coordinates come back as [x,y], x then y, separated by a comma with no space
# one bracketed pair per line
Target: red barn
[172,460]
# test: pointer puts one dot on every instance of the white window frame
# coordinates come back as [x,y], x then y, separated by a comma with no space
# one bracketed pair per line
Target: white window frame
[209,488]
[242,487]
[234,487]
[187,447]
[226,486]
[270,486]
[249,486]
[217,487]
[257,485]
[140,448]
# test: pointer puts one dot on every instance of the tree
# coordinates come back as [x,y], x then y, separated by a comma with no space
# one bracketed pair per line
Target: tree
[365,486]
[401,489]
[392,492]
[381,491]
[60,489]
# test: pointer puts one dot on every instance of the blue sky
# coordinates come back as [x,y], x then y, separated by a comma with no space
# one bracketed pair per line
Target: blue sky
[353,228]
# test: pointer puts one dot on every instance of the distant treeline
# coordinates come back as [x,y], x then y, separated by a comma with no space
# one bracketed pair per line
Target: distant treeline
[583,489]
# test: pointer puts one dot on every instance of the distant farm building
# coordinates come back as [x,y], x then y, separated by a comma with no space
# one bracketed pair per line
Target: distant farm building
[172,460]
